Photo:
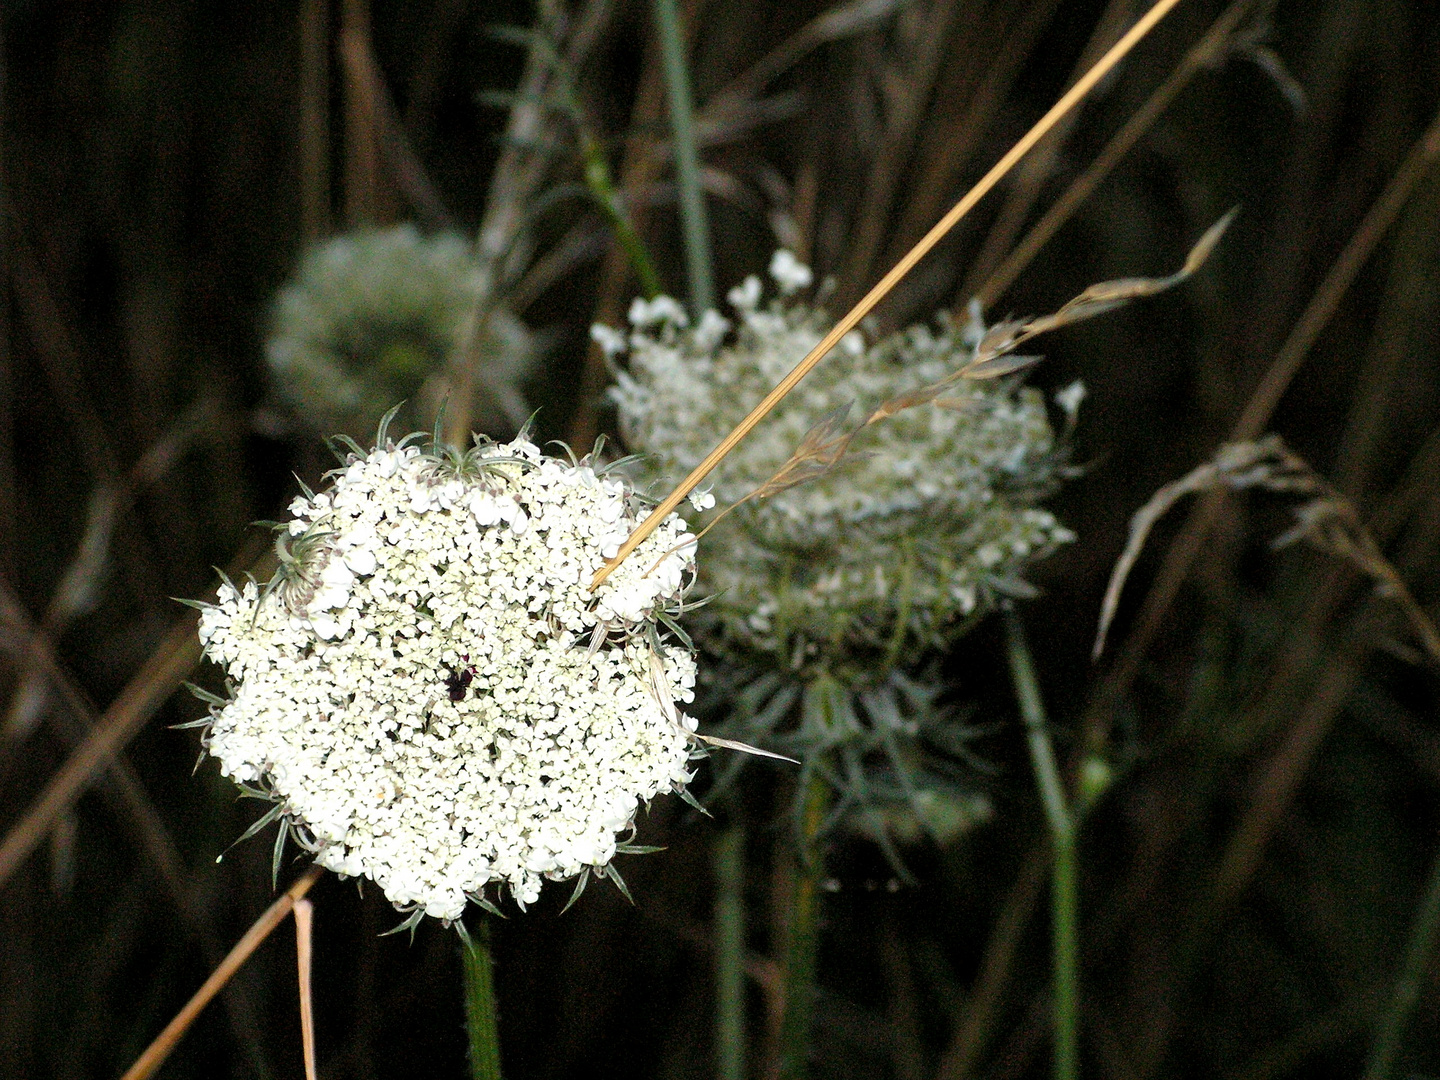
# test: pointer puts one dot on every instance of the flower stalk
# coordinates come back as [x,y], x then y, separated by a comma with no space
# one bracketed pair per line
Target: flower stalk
[693,219]
[480,1014]
[729,864]
[1406,993]
[1061,822]
[804,922]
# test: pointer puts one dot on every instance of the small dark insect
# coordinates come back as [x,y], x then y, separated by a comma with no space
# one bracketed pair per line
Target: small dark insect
[458,681]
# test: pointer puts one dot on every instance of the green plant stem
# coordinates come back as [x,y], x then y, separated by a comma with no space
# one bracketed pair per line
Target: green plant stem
[730,953]
[1406,992]
[607,198]
[480,1015]
[687,157]
[1063,895]
[804,935]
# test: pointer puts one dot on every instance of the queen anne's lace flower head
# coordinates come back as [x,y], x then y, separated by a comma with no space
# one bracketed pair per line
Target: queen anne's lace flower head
[376,316]
[430,693]
[931,515]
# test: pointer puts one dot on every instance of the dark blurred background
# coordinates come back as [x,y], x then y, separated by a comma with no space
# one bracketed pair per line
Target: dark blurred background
[1248,883]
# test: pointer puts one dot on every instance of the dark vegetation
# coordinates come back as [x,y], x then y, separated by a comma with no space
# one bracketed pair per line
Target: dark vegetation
[1249,880]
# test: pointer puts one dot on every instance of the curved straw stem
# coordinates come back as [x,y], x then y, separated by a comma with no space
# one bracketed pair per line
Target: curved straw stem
[156,1053]
[882,288]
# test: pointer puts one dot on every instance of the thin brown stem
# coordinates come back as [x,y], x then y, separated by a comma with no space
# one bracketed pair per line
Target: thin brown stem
[1032,175]
[147,691]
[977,1018]
[156,1053]
[1000,60]
[923,48]
[314,120]
[392,148]
[60,358]
[157,679]
[363,178]
[1204,54]
[304,942]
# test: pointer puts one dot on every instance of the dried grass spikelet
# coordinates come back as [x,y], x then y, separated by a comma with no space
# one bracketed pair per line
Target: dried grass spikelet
[1324,518]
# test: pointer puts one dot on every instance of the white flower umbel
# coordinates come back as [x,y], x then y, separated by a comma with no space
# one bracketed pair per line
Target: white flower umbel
[933,512]
[429,692]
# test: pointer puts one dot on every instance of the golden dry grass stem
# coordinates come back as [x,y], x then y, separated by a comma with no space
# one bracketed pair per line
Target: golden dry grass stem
[122,787]
[1185,548]
[1068,101]
[304,952]
[176,656]
[1205,53]
[156,1053]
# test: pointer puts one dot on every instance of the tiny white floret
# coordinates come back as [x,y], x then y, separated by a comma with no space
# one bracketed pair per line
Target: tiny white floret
[789,272]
